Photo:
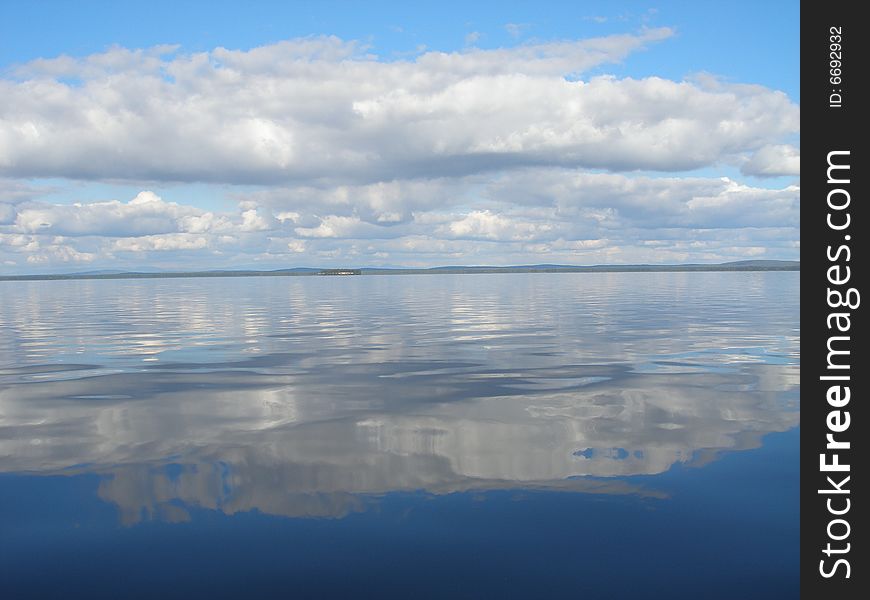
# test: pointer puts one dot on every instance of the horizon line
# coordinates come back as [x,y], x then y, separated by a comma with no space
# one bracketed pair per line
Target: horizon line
[741,265]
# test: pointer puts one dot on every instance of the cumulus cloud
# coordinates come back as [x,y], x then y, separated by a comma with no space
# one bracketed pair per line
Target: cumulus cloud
[303,110]
[496,156]
[617,202]
[172,241]
[146,214]
[484,224]
[516,217]
[40,250]
[13,192]
[471,38]
[333,226]
[386,203]
[46,234]
[774,160]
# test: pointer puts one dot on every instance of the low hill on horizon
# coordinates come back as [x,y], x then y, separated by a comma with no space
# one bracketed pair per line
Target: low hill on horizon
[741,265]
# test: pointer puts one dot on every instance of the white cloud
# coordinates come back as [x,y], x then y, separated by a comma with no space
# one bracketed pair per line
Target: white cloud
[616,201]
[161,243]
[297,246]
[471,38]
[342,227]
[304,110]
[383,203]
[516,29]
[498,156]
[513,217]
[287,216]
[333,226]
[54,252]
[774,160]
[252,221]
[145,214]
[484,224]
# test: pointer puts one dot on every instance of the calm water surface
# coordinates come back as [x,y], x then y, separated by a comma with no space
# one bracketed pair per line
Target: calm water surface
[612,435]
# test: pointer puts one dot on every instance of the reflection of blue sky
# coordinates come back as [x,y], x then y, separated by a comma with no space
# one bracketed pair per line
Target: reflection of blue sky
[718,528]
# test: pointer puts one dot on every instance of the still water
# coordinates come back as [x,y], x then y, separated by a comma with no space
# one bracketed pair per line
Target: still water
[605,435]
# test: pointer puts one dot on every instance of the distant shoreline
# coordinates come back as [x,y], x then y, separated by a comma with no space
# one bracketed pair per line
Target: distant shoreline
[306,272]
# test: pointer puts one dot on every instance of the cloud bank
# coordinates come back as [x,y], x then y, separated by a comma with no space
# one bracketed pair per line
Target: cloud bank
[335,155]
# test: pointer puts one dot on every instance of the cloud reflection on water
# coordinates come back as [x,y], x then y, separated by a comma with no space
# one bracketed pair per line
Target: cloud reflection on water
[397,384]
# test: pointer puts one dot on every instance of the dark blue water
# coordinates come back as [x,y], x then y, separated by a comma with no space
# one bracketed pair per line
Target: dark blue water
[521,436]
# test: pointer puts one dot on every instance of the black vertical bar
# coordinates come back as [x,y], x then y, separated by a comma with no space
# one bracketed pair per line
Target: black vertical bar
[834,222]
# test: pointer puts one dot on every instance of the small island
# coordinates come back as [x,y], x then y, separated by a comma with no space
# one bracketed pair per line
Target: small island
[340,272]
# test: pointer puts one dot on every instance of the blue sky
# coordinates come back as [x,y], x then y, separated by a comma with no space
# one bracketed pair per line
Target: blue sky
[751,42]
[274,134]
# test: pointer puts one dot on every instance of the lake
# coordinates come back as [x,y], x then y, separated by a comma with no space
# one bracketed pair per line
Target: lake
[596,435]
